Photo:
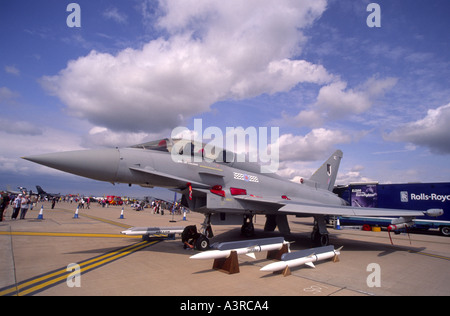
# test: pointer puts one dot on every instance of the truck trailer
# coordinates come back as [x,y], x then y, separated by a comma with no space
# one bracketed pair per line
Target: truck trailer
[412,196]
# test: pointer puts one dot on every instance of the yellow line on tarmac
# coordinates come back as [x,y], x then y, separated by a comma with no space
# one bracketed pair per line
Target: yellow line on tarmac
[430,255]
[47,234]
[88,267]
[62,274]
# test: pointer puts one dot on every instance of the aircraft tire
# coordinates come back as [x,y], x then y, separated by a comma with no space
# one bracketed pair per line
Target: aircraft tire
[202,243]
[324,240]
[248,230]
[320,239]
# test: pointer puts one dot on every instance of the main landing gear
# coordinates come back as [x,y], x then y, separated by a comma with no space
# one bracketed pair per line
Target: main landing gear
[200,240]
[248,229]
[319,235]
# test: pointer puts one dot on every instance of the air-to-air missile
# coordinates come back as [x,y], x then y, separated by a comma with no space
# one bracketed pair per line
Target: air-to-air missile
[146,232]
[247,247]
[308,257]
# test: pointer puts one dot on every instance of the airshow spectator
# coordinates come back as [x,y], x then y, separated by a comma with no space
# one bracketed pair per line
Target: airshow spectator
[24,206]
[16,206]
[4,202]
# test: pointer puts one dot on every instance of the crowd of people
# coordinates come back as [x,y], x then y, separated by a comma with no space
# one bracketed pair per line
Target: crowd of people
[21,203]
[158,207]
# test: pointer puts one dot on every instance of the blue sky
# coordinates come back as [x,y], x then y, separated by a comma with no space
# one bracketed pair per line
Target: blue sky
[136,69]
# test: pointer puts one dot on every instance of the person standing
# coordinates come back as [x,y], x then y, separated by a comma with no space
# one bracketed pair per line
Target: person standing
[4,202]
[25,204]
[16,206]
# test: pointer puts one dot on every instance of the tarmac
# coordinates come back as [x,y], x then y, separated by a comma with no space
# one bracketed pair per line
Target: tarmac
[65,256]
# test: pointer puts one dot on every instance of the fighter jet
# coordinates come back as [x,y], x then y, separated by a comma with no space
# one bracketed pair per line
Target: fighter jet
[42,193]
[22,190]
[213,182]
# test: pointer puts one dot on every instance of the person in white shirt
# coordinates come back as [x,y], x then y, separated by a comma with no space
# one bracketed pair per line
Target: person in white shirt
[16,206]
[24,206]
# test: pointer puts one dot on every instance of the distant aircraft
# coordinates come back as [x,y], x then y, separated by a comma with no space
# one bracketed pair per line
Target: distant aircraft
[41,193]
[226,191]
[22,190]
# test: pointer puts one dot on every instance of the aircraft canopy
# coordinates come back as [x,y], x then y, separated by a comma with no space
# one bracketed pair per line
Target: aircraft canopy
[181,146]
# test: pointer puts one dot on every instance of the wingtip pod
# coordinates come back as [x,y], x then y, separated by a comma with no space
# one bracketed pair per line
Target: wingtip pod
[434,212]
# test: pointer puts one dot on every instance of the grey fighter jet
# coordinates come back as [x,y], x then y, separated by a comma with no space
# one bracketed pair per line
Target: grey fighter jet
[213,182]
[42,193]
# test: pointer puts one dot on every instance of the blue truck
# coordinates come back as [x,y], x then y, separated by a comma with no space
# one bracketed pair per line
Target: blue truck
[412,196]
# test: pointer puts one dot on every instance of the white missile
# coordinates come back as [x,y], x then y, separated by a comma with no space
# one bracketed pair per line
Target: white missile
[153,230]
[298,258]
[247,247]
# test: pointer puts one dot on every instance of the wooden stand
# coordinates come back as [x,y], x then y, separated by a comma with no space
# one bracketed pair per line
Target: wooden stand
[276,254]
[336,258]
[285,272]
[228,265]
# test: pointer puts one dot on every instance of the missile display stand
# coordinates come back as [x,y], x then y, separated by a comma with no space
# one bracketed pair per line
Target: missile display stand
[226,254]
[228,265]
[277,254]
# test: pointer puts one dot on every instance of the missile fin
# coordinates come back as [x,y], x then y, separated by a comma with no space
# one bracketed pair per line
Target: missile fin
[310,264]
[251,255]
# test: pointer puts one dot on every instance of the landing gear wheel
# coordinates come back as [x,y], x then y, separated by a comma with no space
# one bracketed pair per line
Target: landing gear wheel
[319,234]
[320,239]
[248,229]
[324,240]
[202,243]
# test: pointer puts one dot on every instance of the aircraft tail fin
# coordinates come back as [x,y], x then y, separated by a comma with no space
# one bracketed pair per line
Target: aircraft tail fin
[325,176]
[40,190]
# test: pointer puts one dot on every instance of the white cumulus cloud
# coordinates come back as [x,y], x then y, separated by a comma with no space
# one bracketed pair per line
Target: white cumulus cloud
[336,101]
[214,50]
[315,145]
[433,131]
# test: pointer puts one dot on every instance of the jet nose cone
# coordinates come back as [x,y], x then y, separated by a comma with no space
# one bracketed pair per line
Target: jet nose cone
[99,164]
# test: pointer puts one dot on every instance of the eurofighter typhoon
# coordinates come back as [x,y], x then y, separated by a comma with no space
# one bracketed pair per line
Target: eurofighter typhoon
[225,190]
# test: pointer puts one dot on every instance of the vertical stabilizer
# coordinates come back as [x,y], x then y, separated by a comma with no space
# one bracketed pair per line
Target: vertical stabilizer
[40,190]
[325,176]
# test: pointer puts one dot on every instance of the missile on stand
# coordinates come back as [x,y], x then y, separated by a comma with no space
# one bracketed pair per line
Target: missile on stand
[245,247]
[308,257]
[225,253]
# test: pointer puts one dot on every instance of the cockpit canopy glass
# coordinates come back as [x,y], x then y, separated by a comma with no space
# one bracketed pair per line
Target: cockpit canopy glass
[191,148]
[159,145]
